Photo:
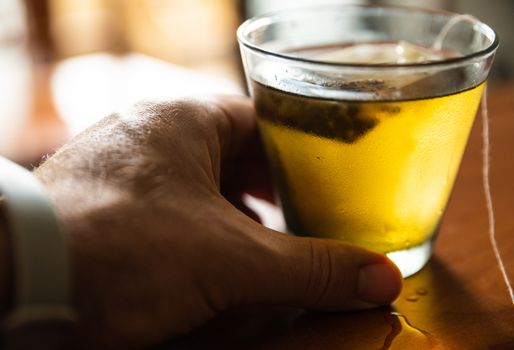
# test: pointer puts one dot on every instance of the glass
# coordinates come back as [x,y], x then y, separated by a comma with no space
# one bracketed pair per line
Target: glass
[364,112]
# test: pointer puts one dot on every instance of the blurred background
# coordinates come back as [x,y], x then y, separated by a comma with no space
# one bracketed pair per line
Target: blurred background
[64,64]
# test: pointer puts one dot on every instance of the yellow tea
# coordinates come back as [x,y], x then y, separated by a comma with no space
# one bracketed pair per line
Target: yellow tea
[374,173]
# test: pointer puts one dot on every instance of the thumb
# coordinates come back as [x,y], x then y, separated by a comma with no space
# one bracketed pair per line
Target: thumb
[323,274]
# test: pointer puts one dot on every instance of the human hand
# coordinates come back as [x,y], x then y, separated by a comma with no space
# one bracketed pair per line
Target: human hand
[157,247]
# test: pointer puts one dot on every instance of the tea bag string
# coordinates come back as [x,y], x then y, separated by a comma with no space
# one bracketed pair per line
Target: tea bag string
[438,42]
[437,45]
[487,193]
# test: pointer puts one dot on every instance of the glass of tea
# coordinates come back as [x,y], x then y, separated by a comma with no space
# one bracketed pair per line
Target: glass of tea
[364,112]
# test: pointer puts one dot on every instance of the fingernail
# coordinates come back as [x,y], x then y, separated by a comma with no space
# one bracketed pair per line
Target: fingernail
[379,283]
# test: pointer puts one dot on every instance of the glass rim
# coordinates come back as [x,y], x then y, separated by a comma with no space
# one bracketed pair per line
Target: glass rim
[267,17]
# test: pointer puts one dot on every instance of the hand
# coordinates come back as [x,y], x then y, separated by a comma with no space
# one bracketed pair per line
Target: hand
[158,249]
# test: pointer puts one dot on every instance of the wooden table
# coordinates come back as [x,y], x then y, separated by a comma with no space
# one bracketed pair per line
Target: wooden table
[458,301]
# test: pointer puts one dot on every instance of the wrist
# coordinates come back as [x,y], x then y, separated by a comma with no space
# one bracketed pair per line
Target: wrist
[5,264]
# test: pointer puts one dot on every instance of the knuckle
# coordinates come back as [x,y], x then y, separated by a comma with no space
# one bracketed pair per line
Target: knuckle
[320,278]
[188,119]
[169,112]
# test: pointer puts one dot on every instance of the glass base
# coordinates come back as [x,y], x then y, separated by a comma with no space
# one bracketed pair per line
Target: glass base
[411,260]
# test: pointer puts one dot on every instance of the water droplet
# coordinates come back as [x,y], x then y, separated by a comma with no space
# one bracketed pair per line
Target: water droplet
[412,297]
[401,327]
[422,291]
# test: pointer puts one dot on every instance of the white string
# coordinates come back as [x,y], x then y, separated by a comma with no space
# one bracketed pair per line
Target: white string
[487,192]
[437,45]
[438,41]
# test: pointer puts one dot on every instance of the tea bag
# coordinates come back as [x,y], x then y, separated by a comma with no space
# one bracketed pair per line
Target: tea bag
[396,83]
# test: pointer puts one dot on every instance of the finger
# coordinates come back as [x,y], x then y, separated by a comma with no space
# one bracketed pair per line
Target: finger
[237,201]
[247,175]
[239,129]
[322,274]
[245,168]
